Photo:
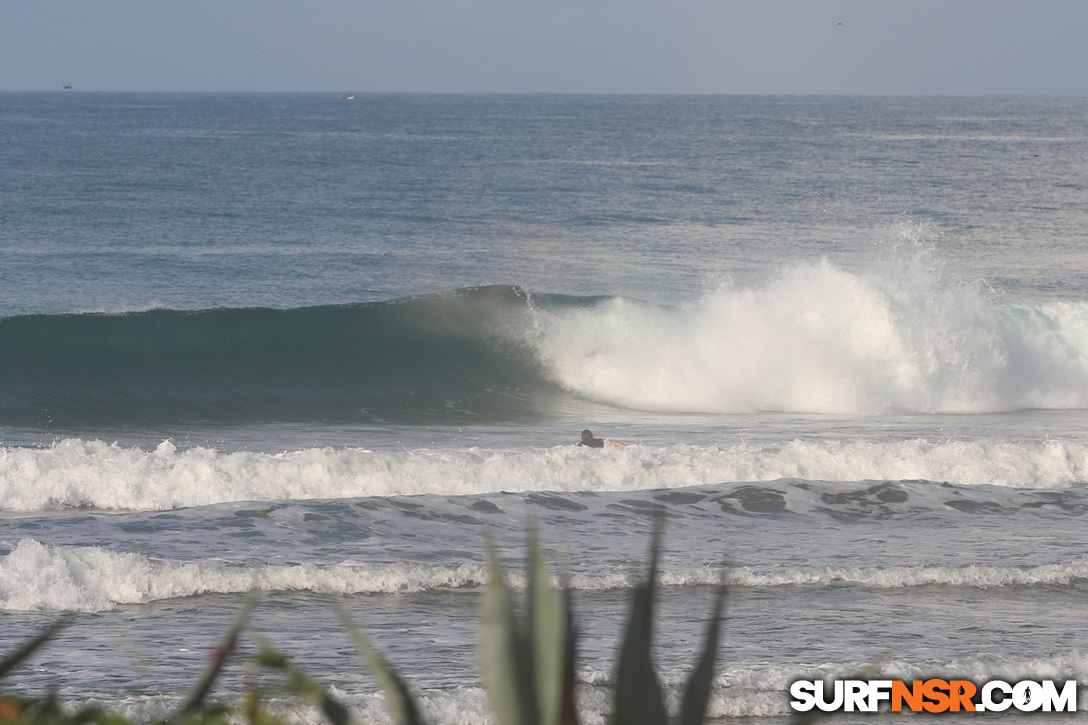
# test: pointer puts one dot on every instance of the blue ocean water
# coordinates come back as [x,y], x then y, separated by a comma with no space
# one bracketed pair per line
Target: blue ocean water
[323,345]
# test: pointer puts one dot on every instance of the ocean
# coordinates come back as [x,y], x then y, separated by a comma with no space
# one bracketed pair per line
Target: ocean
[325,346]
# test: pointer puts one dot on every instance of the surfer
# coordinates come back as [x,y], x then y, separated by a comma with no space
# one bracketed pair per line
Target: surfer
[589,441]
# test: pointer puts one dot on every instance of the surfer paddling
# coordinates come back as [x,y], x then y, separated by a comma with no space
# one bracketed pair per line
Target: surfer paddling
[590,442]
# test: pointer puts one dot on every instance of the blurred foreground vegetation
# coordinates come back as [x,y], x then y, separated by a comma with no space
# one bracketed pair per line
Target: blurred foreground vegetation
[526,653]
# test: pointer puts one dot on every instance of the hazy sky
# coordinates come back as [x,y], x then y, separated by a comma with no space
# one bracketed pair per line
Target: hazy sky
[595,46]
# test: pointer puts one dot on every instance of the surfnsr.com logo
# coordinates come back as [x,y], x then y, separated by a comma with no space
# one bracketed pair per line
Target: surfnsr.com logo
[933,695]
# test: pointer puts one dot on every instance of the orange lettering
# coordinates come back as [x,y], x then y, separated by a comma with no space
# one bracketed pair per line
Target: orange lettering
[960,693]
[900,693]
[935,690]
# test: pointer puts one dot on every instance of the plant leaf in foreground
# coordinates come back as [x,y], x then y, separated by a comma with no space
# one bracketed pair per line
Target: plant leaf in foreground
[299,683]
[547,635]
[638,694]
[504,653]
[31,645]
[568,713]
[402,705]
[701,682]
[222,652]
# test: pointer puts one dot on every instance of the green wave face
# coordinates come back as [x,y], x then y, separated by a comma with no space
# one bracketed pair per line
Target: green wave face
[431,358]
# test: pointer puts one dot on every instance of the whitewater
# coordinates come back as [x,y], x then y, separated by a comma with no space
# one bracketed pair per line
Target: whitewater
[818,339]
[324,349]
[74,473]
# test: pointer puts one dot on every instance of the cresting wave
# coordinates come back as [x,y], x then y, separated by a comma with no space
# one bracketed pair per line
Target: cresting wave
[36,577]
[816,338]
[75,473]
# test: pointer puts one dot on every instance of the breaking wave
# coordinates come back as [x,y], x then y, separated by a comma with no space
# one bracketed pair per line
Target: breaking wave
[75,473]
[816,338]
[38,577]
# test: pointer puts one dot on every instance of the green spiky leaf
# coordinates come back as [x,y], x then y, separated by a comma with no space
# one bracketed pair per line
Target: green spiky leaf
[548,639]
[222,653]
[568,713]
[638,693]
[504,652]
[402,705]
[700,683]
[33,644]
[299,683]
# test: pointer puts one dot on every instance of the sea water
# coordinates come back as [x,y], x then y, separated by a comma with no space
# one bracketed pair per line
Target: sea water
[325,346]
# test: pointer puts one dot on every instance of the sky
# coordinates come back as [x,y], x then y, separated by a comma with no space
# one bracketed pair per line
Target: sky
[908,47]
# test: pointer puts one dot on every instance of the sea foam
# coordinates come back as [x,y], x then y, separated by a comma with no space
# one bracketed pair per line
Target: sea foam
[36,576]
[821,339]
[76,473]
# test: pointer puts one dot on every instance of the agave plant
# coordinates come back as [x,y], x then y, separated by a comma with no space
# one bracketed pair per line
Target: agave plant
[527,661]
[527,654]
[638,696]
[47,711]
[527,658]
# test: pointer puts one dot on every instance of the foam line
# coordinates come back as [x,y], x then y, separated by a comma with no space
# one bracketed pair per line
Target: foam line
[34,576]
[76,473]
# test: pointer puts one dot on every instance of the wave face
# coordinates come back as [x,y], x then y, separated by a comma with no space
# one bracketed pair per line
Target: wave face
[815,339]
[412,359]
